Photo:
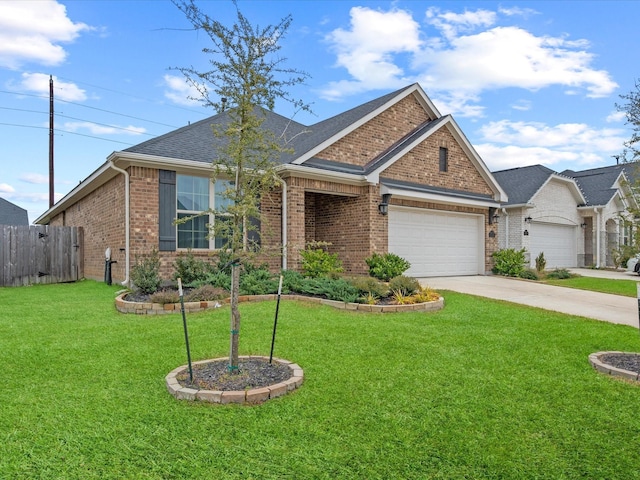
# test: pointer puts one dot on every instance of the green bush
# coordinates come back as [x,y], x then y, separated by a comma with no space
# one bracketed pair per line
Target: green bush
[331,288]
[387,266]
[292,281]
[404,285]
[529,274]
[317,262]
[145,274]
[190,269]
[369,285]
[560,274]
[509,262]
[258,281]
[541,262]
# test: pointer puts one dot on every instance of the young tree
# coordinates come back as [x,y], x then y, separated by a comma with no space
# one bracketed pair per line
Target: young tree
[632,110]
[245,78]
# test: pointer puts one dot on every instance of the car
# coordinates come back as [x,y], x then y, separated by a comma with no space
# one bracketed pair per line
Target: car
[633,264]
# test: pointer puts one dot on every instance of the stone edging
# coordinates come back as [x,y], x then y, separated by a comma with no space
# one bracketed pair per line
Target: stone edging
[148,308]
[596,362]
[252,396]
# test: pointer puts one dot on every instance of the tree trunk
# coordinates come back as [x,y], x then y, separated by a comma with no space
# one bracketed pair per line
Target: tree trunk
[235,319]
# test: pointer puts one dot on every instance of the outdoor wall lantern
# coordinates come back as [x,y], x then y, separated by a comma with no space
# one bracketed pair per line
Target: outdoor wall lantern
[493,215]
[583,225]
[528,219]
[383,207]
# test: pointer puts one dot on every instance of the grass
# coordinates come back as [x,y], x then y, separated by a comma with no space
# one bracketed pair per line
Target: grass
[628,288]
[480,390]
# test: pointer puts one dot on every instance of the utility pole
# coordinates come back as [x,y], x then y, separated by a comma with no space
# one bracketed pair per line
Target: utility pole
[50,141]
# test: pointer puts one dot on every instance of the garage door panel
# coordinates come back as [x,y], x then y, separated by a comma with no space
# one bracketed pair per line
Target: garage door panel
[437,243]
[558,242]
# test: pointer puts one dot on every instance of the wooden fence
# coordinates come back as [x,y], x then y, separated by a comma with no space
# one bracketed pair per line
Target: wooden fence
[40,254]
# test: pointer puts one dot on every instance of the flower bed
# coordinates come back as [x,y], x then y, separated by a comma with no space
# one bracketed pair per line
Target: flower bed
[148,308]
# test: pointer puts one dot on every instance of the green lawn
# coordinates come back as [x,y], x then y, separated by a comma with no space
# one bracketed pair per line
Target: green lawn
[627,288]
[481,389]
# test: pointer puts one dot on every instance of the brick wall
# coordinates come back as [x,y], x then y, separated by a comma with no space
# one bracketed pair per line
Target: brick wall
[422,166]
[102,216]
[377,135]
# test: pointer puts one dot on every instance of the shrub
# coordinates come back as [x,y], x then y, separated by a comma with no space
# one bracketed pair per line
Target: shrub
[258,281]
[508,262]
[529,274]
[145,274]
[425,294]
[385,267]
[401,298]
[215,278]
[292,281]
[165,296]
[190,269]
[330,288]
[560,274]
[369,285]
[317,262]
[541,262]
[206,293]
[405,285]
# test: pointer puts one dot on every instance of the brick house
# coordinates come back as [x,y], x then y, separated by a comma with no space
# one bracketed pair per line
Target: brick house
[577,218]
[391,175]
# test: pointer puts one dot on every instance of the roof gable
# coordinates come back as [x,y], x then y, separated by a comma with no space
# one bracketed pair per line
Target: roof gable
[12,214]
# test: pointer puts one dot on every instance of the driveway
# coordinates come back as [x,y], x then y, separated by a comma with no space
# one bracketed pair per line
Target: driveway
[598,306]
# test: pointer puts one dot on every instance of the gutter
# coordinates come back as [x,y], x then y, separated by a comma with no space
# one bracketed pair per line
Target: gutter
[598,221]
[127,222]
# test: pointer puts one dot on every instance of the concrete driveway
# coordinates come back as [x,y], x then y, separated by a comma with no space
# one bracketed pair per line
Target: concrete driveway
[598,306]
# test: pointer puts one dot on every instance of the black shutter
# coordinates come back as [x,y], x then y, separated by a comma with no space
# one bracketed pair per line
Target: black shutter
[167,199]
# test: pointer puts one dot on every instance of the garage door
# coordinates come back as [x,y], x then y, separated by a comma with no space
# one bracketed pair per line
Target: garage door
[558,242]
[437,243]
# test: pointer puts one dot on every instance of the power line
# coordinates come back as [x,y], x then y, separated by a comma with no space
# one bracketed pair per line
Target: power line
[66,131]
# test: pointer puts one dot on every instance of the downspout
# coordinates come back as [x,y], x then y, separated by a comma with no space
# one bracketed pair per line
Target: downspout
[506,227]
[127,223]
[598,220]
[284,223]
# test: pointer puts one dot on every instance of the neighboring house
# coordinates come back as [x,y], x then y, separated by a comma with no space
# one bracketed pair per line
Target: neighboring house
[391,175]
[574,218]
[12,214]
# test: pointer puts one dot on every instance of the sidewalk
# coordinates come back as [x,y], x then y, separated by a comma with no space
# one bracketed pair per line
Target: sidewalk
[598,306]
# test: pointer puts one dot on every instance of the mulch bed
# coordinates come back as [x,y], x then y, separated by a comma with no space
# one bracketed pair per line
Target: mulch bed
[625,361]
[252,373]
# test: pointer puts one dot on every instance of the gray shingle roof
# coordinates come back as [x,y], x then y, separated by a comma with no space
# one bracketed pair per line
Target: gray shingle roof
[196,141]
[12,214]
[597,183]
[522,183]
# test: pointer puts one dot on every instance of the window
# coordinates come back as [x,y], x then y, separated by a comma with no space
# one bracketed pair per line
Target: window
[194,196]
[444,159]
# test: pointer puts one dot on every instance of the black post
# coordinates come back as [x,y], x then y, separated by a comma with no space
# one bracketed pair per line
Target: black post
[186,334]
[275,321]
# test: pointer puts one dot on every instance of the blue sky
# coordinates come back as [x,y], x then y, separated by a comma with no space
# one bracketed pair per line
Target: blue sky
[528,81]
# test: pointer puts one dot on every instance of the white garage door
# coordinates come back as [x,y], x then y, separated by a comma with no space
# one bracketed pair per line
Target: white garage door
[437,243]
[558,242]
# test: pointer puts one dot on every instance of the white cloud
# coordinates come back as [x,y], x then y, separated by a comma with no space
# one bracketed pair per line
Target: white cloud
[180,91]
[38,83]
[617,117]
[97,129]
[367,50]
[469,54]
[6,188]
[35,178]
[32,32]
[516,144]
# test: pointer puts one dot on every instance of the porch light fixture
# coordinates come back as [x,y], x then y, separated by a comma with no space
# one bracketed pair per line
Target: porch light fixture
[583,225]
[383,207]
[493,215]
[528,219]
